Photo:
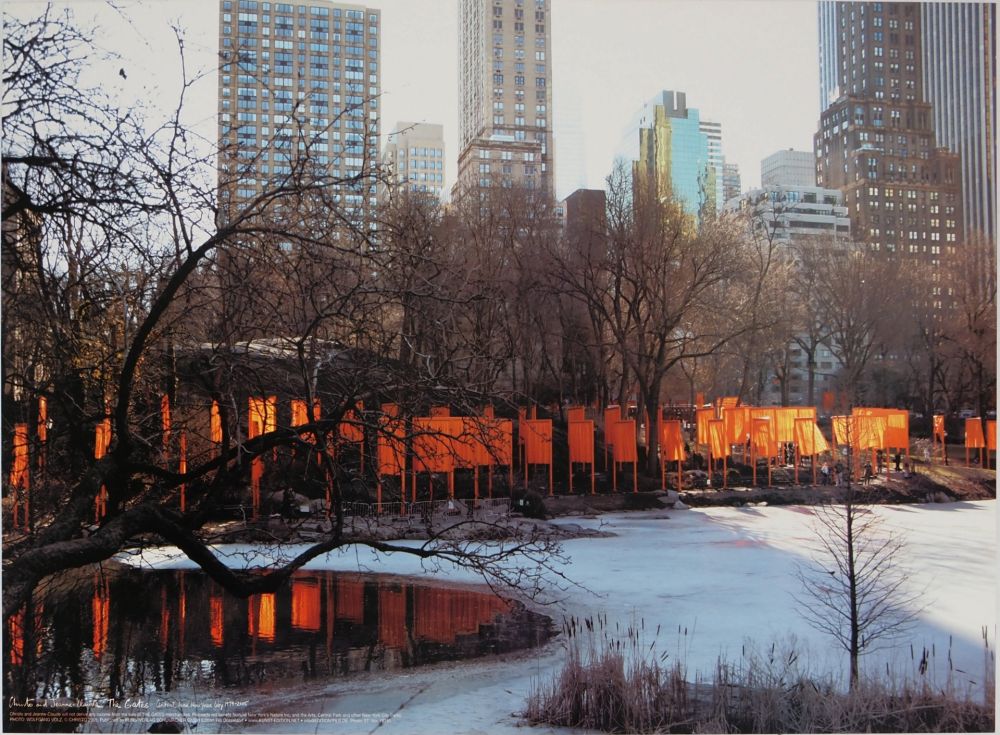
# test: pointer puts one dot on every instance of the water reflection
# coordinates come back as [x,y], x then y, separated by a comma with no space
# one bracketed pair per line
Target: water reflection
[137,633]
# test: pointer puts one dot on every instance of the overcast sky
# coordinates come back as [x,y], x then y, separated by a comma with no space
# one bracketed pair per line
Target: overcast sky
[750,65]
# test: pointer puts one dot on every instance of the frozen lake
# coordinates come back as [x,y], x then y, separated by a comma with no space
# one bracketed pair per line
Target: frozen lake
[712,579]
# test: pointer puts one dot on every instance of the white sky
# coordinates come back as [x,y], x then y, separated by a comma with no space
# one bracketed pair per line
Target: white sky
[749,64]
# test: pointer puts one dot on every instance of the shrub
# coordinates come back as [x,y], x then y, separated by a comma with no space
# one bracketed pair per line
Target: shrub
[529,504]
[613,681]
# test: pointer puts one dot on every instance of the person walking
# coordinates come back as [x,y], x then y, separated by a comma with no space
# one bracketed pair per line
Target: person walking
[868,473]
[825,472]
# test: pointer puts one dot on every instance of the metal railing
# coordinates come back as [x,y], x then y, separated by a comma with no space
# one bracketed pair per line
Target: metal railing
[423,508]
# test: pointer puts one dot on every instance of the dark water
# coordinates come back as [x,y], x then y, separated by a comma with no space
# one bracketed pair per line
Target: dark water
[133,634]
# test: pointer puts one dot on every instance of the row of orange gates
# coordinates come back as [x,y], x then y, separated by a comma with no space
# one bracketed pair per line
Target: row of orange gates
[441,443]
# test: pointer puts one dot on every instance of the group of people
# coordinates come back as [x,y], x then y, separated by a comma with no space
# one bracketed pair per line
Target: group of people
[836,475]
[832,476]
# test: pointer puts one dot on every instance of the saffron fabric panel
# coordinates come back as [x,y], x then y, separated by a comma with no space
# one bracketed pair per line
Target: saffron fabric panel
[672,441]
[581,441]
[974,437]
[717,443]
[538,441]
[625,441]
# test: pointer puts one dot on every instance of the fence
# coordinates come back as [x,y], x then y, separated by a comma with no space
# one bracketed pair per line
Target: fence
[475,508]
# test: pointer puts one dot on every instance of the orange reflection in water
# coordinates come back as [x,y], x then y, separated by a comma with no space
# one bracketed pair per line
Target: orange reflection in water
[305,604]
[101,609]
[15,629]
[392,617]
[439,615]
[262,616]
[216,618]
[164,620]
[351,600]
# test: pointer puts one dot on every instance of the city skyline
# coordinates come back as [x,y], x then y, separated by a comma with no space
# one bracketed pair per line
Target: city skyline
[648,46]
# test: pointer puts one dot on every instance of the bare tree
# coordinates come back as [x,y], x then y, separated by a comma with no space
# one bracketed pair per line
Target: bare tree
[854,589]
[664,290]
[148,281]
[967,296]
[861,296]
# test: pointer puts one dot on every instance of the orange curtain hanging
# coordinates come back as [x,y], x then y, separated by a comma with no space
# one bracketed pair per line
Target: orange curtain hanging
[612,414]
[165,420]
[102,441]
[538,446]
[702,417]
[762,439]
[391,446]
[432,447]
[626,451]
[939,432]
[351,429]
[581,448]
[576,413]
[215,423]
[672,441]
[717,443]
[974,437]
[20,478]
[43,430]
[737,425]
[843,430]
[256,423]
[991,435]
[182,466]
[581,442]
[804,439]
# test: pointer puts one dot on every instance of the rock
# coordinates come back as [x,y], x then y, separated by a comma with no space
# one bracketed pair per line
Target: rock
[680,505]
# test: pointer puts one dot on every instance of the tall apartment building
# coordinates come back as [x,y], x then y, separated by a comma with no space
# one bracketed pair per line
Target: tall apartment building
[959,76]
[732,183]
[670,152]
[716,161]
[299,80]
[789,168]
[877,142]
[414,156]
[505,91]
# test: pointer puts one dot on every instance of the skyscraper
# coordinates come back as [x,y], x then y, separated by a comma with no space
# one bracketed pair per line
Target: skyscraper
[505,91]
[414,156]
[829,69]
[671,153]
[298,83]
[716,161]
[959,63]
[876,142]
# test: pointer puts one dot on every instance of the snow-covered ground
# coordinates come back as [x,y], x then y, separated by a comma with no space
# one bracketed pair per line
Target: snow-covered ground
[711,579]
